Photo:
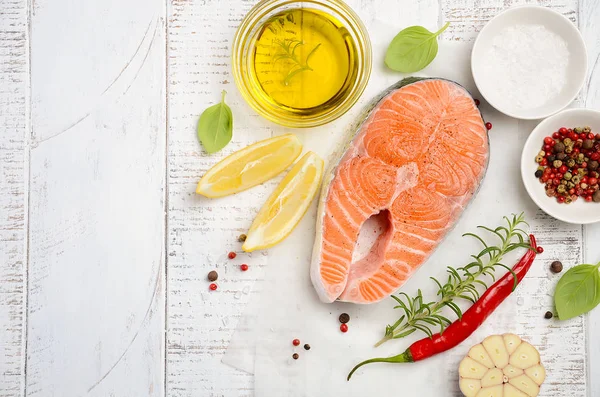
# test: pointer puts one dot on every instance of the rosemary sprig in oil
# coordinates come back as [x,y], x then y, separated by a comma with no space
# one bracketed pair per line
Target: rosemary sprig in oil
[462,283]
[287,50]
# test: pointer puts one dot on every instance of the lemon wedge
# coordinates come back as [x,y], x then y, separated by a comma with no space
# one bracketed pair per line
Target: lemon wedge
[287,205]
[250,166]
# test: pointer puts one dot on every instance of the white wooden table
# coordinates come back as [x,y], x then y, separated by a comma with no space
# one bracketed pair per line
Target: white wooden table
[104,248]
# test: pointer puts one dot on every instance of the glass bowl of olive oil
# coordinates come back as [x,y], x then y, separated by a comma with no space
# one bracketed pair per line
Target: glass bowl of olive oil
[301,63]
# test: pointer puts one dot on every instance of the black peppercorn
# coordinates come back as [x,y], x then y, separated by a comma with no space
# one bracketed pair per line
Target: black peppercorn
[306,346]
[539,173]
[588,144]
[593,165]
[548,315]
[213,276]
[295,356]
[559,147]
[551,158]
[561,156]
[556,267]
[344,318]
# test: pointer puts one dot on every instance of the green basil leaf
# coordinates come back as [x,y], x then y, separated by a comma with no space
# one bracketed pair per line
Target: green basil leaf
[413,49]
[215,127]
[578,291]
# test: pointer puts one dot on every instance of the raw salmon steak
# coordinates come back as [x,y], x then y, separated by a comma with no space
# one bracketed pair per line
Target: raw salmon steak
[417,160]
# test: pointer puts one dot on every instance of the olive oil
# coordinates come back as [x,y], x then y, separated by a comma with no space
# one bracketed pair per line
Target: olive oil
[304,61]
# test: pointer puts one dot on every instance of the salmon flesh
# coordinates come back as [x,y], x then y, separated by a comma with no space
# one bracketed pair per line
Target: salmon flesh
[418,159]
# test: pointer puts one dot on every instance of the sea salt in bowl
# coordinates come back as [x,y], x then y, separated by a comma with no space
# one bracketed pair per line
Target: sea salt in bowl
[529,62]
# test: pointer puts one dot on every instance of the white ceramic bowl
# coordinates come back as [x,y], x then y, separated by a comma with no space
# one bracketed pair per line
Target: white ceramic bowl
[529,15]
[579,212]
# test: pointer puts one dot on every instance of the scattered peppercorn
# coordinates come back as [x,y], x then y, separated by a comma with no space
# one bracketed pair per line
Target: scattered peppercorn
[548,315]
[213,275]
[477,103]
[488,126]
[231,255]
[556,267]
[243,267]
[344,318]
[213,287]
[295,356]
[539,250]
[242,238]
[296,342]
[306,346]
[344,327]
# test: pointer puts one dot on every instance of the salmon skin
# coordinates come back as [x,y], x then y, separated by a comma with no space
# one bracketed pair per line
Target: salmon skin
[418,158]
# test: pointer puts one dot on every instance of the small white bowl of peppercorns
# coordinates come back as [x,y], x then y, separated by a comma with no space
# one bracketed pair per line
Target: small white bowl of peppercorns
[560,166]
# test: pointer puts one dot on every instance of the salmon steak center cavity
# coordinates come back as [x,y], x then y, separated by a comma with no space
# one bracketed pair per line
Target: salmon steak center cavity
[417,159]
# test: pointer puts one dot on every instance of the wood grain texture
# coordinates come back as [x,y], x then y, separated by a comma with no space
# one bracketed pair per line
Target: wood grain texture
[589,15]
[14,113]
[97,224]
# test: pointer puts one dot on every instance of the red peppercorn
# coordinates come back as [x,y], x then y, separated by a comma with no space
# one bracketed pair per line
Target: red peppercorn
[344,327]
[563,131]
[591,136]
[231,255]
[212,286]
[563,169]
[572,191]
[559,176]
[544,178]
[477,103]
[560,199]
[576,150]
[243,267]
[592,181]
[544,162]
[556,182]
[588,198]
[556,135]
[595,156]
[296,342]
[584,165]
[547,148]
[548,140]
[488,126]
[598,137]
[552,176]
[539,250]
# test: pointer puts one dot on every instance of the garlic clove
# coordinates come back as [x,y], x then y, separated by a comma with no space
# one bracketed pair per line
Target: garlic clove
[537,373]
[469,387]
[494,345]
[511,371]
[525,356]
[479,354]
[492,377]
[526,385]
[511,391]
[511,341]
[470,368]
[494,391]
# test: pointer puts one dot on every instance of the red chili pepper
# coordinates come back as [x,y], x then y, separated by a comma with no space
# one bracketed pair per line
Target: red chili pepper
[462,328]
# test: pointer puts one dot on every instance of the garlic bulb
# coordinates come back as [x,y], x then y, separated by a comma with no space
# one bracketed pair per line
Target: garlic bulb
[501,366]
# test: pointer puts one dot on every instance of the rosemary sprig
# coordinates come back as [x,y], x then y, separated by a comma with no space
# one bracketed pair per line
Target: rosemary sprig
[287,50]
[462,283]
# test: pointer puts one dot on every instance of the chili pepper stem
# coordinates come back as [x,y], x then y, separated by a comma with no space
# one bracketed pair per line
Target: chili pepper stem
[405,357]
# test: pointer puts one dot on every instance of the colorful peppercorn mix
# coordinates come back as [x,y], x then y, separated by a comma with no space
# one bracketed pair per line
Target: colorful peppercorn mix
[568,165]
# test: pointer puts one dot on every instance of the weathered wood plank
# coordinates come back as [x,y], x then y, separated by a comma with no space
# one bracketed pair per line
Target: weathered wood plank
[14,112]
[589,15]
[97,224]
